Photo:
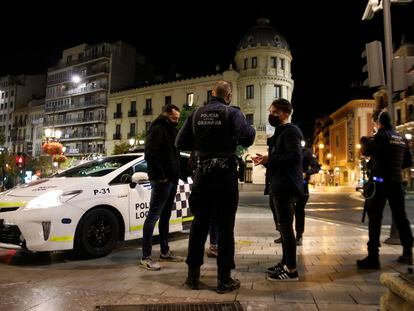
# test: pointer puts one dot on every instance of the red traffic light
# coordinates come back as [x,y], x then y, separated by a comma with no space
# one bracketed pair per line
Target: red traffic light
[19,160]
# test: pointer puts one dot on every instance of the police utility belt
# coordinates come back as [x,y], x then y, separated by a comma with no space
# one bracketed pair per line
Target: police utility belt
[210,162]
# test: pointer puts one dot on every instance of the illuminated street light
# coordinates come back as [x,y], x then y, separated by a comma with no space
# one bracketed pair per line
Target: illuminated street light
[48,132]
[132,141]
[302,143]
[408,136]
[329,155]
[321,146]
[358,146]
[141,141]
[76,79]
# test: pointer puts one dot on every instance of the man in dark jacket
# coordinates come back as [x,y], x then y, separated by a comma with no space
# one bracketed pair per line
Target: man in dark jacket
[213,132]
[163,161]
[284,175]
[390,153]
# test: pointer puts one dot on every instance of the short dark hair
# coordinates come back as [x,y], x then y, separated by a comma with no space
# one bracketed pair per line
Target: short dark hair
[282,104]
[169,108]
[222,88]
[385,119]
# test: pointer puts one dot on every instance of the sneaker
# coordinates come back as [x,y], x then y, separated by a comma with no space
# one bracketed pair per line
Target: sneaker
[408,260]
[228,286]
[276,269]
[299,241]
[212,251]
[278,240]
[283,275]
[368,263]
[149,264]
[170,256]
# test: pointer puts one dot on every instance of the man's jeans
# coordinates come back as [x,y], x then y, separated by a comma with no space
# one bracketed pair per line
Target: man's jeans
[284,206]
[162,200]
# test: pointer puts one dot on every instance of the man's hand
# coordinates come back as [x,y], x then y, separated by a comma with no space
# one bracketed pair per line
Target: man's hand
[260,159]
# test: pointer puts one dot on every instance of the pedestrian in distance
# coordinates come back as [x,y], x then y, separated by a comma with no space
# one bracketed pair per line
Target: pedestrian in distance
[212,133]
[285,183]
[389,153]
[163,161]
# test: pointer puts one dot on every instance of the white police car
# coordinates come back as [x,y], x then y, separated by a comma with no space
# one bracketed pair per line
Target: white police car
[88,208]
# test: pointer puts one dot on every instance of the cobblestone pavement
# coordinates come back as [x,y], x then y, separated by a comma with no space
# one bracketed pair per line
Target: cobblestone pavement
[328,276]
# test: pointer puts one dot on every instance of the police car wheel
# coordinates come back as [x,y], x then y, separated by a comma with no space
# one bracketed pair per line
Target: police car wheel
[97,234]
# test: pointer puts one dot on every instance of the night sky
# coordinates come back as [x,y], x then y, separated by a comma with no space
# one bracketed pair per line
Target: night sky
[326,39]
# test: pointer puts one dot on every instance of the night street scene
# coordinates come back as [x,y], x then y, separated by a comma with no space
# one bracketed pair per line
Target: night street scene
[104,204]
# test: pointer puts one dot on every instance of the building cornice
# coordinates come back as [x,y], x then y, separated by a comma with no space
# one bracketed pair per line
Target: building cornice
[352,105]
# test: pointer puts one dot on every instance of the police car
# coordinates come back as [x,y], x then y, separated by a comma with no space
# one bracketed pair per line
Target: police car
[88,208]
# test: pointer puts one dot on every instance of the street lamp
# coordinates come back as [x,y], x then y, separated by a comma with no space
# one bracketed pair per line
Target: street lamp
[132,141]
[76,79]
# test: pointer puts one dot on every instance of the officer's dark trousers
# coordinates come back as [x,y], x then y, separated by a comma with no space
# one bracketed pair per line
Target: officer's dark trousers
[284,206]
[393,192]
[213,195]
[300,211]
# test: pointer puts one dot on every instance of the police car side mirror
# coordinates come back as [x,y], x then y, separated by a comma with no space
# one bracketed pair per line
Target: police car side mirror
[138,178]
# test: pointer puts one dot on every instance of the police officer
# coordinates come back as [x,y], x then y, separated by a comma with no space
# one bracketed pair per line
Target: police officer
[389,153]
[212,132]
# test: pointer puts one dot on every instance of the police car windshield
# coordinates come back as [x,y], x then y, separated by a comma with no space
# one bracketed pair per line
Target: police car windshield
[97,168]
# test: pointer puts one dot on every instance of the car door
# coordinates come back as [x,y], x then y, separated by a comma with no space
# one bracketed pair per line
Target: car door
[139,197]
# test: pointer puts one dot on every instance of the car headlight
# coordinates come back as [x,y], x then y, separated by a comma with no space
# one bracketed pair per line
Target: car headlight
[52,198]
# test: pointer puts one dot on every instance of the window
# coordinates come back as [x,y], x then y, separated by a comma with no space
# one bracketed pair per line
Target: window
[254,62]
[167,100]
[118,108]
[190,99]
[282,63]
[69,59]
[249,118]
[250,91]
[337,140]
[118,129]
[11,104]
[273,62]
[133,106]
[1,106]
[2,95]
[147,126]
[246,61]
[278,91]
[132,129]
[11,93]
[398,116]
[5,105]
[7,94]
[209,95]
[148,104]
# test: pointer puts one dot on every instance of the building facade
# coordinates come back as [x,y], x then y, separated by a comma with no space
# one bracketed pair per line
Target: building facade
[340,155]
[261,73]
[77,93]
[15,93]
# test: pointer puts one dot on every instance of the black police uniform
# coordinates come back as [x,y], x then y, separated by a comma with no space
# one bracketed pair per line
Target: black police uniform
[213,132]
[389,153]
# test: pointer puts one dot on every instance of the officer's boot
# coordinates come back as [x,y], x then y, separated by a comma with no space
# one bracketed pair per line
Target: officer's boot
[193,277]
[407,256]
[371,261]
[225,282]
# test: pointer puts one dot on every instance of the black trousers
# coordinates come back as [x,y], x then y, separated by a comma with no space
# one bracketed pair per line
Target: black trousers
[299,211]
[214,195]
[393,192]
[284,209]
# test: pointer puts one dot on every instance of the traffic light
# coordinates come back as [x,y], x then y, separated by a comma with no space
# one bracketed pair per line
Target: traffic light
[374,64]
[19,160]
[402,73]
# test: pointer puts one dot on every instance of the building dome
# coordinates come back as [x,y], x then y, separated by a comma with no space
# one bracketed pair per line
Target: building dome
[263,35]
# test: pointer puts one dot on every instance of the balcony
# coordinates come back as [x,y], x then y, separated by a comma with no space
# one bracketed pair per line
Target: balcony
[78,106]
[117,136]
[117,114]
[81,135]
[132,113]
[147,112]
[68,78]
[75,121]
[80,60]
[77,91]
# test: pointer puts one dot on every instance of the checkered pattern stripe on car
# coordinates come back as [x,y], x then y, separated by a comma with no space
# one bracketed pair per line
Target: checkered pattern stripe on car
[181,207]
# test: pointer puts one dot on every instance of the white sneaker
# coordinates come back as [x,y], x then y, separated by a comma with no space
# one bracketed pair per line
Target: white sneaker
[149,264]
